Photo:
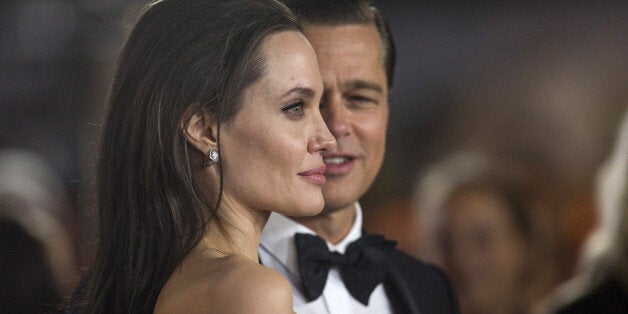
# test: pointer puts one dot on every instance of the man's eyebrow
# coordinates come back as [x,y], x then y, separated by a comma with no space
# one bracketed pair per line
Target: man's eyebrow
[362,84]
[299,90]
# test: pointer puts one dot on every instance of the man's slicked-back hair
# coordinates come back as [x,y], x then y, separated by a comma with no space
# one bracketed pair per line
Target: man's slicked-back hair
[347,12]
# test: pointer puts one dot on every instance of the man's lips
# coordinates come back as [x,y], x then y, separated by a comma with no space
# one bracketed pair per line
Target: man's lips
[338,164]
[315,175]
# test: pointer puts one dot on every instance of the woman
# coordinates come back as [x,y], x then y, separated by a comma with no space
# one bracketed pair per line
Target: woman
[492,232]
[213,122]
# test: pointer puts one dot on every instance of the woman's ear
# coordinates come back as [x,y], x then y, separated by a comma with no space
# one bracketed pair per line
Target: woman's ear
[201,130]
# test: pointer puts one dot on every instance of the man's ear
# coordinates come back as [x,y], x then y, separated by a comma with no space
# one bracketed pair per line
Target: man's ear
[201,130]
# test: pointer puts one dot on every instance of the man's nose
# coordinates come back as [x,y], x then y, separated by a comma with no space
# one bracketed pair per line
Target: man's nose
[337,117]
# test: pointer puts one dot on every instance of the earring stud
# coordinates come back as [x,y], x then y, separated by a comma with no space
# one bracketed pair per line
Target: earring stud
[212,158]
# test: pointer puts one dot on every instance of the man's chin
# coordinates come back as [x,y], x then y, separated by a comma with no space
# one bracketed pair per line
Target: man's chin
[335,206]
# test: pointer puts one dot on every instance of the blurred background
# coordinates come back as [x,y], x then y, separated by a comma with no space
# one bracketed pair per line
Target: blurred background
[528,93]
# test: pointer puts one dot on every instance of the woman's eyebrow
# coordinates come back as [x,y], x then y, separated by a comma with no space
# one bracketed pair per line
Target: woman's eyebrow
[299,90]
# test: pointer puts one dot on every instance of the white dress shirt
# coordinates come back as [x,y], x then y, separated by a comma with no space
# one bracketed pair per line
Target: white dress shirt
[278,251]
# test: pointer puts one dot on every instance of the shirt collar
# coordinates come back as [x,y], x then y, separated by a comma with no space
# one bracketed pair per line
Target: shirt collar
[278,238]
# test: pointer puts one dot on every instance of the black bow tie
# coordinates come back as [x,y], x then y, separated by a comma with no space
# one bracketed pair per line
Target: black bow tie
[363,266]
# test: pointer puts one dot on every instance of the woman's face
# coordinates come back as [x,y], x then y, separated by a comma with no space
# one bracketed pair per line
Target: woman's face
[272,150]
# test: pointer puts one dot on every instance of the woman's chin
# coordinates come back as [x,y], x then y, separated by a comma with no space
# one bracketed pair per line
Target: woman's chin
[310,208]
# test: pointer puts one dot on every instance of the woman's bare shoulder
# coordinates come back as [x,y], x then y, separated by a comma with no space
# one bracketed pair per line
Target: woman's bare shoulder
[254,288]
[232,284]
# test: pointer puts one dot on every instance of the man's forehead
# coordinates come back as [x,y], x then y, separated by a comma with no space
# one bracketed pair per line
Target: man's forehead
[348,44]
[342,30]
[350,56]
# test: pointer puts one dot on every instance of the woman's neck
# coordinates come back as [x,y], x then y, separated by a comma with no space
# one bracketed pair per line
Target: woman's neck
[237,230]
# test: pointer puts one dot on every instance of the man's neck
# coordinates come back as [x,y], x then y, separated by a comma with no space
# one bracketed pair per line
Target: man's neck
[332,226]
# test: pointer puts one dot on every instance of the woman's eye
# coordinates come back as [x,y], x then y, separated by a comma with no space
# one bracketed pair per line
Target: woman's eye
[295,109]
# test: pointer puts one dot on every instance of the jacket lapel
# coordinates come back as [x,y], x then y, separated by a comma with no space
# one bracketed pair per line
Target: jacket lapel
[400,296]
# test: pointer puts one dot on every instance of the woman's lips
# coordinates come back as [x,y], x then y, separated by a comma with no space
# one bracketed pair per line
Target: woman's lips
[315,175]
[338,164]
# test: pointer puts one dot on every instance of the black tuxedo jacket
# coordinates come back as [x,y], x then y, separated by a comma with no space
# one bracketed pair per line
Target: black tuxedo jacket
[415,287]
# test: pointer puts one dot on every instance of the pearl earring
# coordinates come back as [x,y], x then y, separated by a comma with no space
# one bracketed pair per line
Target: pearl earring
[212,158]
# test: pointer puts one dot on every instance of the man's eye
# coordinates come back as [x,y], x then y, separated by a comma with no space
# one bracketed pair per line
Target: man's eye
[359,98]
[295,109]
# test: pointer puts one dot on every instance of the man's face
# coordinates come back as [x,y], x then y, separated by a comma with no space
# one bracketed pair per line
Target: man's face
[354,106]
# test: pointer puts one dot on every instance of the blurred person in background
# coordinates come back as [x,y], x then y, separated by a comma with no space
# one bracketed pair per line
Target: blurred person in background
[37,263]
[28,285]
[600,284]
[484,222]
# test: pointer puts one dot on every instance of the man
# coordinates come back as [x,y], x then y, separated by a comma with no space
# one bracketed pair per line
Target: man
[356,57]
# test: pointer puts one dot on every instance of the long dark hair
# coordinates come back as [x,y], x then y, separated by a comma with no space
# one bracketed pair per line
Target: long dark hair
[180,56]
